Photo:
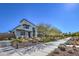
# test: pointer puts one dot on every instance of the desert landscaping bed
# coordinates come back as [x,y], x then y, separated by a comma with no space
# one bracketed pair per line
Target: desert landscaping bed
[73,41]
[65,50]
[69,48]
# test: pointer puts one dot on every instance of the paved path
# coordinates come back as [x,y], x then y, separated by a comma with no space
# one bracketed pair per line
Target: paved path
[36,50]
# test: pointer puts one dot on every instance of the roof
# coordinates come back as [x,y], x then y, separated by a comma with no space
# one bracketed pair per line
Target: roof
[21,21]
[15,27]
[27,21]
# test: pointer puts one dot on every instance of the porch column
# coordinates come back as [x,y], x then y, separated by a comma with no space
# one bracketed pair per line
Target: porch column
[26,34]
[15,34]
[36,32]
[31,34]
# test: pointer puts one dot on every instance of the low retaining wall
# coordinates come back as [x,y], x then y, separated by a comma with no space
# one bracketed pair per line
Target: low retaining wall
[5,43]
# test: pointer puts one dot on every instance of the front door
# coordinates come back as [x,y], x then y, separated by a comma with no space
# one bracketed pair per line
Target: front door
[29,34]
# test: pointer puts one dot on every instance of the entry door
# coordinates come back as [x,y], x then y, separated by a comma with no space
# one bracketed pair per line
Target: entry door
[29,34]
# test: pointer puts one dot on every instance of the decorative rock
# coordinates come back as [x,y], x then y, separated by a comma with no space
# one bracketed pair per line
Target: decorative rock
[57,51]
[62,47]
[74,48]
[71,51]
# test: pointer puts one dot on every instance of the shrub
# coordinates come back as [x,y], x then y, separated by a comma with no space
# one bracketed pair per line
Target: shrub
[19,40]
[46,39]
[15,40]
[69,42]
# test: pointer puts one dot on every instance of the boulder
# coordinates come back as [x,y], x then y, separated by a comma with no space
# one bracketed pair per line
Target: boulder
[71,51]
[62,47]
[74,48]
[57,51]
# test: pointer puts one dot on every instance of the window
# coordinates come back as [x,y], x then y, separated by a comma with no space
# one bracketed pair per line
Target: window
[26,26]
[22,32]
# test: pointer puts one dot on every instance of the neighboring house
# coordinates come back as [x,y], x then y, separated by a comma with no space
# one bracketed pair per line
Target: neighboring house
[25,29]
[4,36]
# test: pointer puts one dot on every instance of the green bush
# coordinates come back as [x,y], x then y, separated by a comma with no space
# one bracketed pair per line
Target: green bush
[68,43]
[46,39]
[20,40]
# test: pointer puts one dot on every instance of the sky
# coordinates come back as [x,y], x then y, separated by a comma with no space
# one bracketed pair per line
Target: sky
[63,16]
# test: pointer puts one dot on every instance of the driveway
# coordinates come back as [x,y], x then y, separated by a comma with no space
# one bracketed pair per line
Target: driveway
[36,50]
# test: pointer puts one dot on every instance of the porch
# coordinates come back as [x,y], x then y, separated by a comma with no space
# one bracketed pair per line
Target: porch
[23,33]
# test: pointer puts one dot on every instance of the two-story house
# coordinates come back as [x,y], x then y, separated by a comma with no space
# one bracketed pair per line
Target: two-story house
[25,29]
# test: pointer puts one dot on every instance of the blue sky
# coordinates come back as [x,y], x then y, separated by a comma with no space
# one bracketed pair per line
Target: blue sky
[63,16]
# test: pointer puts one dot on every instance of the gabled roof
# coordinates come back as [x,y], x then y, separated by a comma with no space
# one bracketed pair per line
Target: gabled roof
[21,21]
[27,21]
[15,27]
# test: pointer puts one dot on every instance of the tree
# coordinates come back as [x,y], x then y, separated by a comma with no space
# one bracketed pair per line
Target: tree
[45,29]
[54,31]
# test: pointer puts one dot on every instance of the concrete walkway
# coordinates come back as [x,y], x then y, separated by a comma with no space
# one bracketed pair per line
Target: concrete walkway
[36,50]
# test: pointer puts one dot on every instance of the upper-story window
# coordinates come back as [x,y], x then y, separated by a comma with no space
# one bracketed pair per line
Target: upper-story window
[25,26]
